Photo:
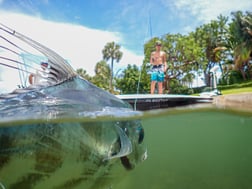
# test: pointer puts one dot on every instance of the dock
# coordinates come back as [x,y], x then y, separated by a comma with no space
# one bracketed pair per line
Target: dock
[144,102]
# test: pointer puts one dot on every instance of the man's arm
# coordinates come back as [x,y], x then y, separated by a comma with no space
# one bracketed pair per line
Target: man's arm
[164,61]
[151,59]
[31,78]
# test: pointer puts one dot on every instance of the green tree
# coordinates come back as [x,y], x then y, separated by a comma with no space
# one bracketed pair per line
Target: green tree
[183,54]
[241,37]
[83,73]
[212,39]
[102,73]
[129,82]
[215,43]
[112,52]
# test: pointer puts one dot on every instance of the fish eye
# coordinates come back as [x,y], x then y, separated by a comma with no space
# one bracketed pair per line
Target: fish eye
[140,131]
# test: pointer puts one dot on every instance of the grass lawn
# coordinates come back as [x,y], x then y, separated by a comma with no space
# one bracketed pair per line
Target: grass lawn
[233,91]
[236,90]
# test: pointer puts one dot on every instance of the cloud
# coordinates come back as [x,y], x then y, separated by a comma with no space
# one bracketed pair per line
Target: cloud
[205,10]
[80,45]
[186,15]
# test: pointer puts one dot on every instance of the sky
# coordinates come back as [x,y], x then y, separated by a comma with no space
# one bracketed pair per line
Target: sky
[78,30]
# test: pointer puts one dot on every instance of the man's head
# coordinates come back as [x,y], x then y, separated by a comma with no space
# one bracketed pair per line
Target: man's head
[44,64]
[158,43]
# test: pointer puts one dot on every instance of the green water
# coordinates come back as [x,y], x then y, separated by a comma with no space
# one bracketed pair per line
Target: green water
[195,149]
[188,148]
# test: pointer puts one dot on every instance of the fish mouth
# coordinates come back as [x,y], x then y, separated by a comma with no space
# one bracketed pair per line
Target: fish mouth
[126,148]
[125,160]
[126,163]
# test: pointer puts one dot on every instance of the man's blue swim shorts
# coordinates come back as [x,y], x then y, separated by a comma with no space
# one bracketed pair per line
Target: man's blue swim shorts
[157,74]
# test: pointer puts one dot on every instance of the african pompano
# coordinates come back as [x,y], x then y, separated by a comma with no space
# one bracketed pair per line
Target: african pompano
[54,135]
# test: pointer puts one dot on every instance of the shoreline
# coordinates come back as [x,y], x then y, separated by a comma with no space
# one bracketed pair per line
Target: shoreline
[239,101]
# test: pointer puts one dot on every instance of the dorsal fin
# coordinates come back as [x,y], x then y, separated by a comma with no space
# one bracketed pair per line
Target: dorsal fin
[58,70]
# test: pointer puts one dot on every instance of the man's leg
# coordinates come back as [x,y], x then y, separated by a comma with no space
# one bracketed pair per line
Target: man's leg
[160,87]
[154,76]
[153,83]
[160,80]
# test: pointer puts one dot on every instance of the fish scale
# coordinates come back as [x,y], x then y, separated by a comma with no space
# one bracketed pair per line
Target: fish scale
[52,151]
[66,132]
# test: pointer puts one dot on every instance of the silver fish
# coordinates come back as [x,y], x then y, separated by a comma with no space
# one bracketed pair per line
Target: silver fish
[65,132]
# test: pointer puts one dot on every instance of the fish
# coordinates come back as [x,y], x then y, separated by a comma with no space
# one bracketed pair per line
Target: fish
[64,132]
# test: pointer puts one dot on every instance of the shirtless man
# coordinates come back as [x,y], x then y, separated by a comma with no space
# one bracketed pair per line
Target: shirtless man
[158,61]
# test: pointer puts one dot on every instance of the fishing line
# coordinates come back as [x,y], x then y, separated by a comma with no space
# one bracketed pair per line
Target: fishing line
[149,30]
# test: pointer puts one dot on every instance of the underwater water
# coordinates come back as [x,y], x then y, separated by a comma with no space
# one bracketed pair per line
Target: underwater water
[69,154]
[187,148]
[195,149]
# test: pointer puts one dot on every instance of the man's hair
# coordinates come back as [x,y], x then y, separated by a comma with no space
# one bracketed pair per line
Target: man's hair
[44,64]
[158,42]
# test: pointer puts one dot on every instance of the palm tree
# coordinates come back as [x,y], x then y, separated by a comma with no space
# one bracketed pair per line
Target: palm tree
[240,30]
[83,73]
[112,51]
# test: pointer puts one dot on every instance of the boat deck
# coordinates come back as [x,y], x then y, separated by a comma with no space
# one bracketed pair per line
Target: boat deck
[158,101]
